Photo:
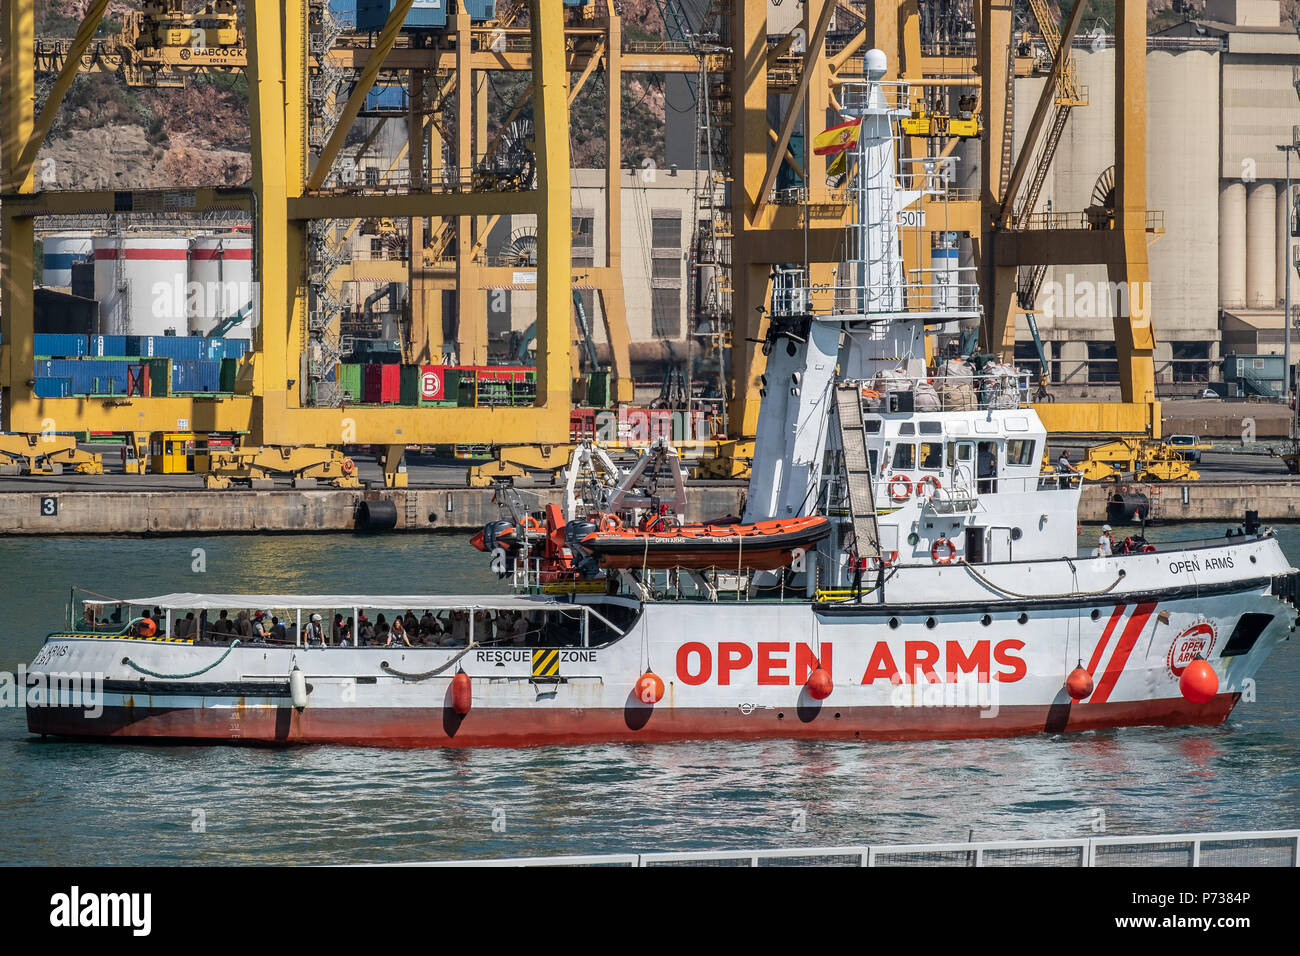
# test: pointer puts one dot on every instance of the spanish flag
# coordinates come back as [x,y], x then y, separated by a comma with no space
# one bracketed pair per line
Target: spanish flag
[837,138]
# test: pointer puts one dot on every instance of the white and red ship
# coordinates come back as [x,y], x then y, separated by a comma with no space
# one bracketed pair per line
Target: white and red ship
[906,567]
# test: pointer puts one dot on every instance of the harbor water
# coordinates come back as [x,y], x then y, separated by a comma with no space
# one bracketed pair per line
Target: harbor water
[88,803]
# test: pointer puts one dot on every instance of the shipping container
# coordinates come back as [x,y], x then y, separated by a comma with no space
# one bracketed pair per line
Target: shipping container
[53,387]
[424,15]
[351,382]
[114,345]
[160,377]
[598,389]
[58,345]
[229,372]
[196,376]
[383,384]
[238,348]
[187,348]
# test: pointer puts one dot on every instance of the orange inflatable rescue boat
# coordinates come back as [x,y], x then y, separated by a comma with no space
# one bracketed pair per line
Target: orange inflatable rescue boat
[763,546]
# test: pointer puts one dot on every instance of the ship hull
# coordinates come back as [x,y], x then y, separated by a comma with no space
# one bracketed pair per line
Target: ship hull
[972,661]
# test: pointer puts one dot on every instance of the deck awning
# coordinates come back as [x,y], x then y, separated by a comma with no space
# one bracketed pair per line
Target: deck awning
[191,601]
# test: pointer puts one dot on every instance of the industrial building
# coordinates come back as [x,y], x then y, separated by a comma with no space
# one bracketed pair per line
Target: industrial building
[1221,97]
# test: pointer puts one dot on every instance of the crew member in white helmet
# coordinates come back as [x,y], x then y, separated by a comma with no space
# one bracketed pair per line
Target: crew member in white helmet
[1105,543]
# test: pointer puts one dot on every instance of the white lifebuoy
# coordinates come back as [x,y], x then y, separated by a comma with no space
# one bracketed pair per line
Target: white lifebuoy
[930,480]
[907,487]
[943,551]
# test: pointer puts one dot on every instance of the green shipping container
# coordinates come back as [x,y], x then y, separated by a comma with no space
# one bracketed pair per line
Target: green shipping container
[349,380]
[160,376]
[598,390]
[465,390]
[229,369]
[410,385]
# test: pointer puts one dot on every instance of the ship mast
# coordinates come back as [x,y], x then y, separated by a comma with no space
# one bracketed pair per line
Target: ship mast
[870,320]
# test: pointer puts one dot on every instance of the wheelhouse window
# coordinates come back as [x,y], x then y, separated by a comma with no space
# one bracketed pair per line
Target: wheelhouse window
[904,457]
[931,455]
[1020,451]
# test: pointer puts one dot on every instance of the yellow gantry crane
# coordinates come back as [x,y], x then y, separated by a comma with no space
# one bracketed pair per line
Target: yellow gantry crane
[295,185]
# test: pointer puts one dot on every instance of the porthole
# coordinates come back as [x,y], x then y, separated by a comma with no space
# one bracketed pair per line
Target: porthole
[893,623]
[986,620]
[1095,614]
[930,623]
[1023,618]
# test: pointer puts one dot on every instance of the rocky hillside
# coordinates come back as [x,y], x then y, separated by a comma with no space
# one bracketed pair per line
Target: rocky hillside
[110,135]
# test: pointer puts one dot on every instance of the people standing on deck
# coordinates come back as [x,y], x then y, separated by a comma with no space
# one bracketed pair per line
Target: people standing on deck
[244,626]
[1105,542]
[336,630]
[278,631]
[397,634]
[313,635]
[260,630]
[1065,467]
[365,632]
[381,630]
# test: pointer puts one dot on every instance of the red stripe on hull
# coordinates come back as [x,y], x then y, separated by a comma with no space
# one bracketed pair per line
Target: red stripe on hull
[1132,631]
[419,727]
[1105,639]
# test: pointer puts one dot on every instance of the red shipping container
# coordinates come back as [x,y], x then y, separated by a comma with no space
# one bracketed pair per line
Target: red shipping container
[433,387]
[383,384]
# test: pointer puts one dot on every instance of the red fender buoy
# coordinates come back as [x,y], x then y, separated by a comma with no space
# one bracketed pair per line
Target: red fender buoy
[462,693]
[1079,684]
[820,684]
[649,688]
[1199,682]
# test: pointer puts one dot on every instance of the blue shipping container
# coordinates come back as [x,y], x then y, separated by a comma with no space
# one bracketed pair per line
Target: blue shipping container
[178,347]
[102,345]
[204,376]
[47,343]
[424,15]
[53,387]
[387,98]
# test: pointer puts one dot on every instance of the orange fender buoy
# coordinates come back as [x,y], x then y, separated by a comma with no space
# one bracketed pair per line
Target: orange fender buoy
[820,684]
[1079,684]
[649,688]
[1199,683]
[348,466]
[462,693]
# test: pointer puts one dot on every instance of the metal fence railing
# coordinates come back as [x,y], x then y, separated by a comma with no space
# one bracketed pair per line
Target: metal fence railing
[1274,848]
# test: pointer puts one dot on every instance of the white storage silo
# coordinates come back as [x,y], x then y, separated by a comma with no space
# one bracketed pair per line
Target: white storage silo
[59,252]
[221,283]
[1261,246]
[1232,246]
[140,284]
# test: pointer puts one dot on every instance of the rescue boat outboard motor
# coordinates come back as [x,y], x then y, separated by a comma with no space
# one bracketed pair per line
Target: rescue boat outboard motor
[501,534]
[583,560]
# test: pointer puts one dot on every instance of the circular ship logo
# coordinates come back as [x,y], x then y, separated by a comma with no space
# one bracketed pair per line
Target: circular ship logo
[1197,639]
